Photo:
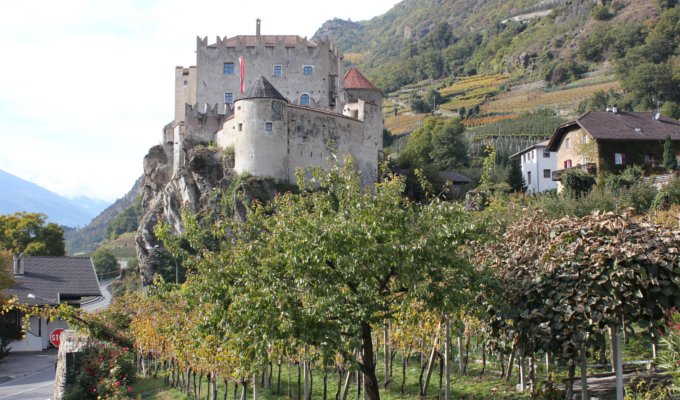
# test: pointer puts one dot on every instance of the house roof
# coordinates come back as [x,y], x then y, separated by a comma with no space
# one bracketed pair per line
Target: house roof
[52,278]
[267,40]
[619,126]
[454,177]
[355,80]
[262,88]
[533,146]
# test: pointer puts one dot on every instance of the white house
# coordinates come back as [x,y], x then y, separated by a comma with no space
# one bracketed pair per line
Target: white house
[43,281]
[537,164]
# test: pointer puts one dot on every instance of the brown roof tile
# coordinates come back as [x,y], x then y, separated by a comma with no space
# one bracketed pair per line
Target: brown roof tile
[355,80]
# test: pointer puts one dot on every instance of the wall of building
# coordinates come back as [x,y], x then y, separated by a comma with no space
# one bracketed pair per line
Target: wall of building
[574,151]
[321,85]
[535,163]
[301,137]
[647,153]
[185,90]
[38,336]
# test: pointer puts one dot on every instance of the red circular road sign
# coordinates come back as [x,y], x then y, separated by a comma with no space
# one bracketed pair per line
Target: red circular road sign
[55,337]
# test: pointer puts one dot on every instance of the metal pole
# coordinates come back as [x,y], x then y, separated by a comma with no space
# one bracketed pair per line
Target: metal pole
[619,363]
[176,271]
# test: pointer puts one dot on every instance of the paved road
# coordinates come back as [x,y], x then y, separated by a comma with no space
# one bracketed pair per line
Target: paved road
[38,386]
[102,302]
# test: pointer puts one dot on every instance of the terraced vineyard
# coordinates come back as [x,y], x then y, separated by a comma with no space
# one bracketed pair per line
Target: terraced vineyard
[532,96]
[472,91]
[404,123]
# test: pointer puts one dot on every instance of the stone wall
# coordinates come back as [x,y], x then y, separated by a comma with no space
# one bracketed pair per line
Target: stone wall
[72,343]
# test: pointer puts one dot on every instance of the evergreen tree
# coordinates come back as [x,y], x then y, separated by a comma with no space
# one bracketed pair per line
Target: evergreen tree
[669,160]
[515,178]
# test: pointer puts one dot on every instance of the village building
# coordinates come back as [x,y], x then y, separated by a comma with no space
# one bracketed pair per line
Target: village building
[280,102]
[46,281]
[608,142]
[537,164]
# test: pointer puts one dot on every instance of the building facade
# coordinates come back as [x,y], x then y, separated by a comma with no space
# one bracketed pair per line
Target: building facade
[538,164]
[280,102]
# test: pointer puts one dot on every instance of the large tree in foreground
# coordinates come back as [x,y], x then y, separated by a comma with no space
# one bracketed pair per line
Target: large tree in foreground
[327,267]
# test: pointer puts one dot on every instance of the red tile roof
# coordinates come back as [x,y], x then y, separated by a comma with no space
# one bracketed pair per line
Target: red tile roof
[354,80]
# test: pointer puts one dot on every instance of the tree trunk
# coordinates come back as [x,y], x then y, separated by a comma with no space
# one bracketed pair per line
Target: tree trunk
[244,390]
[584,373]
[461,369]
[467,353]
[371,384]
[256,390]
[214,388]
[299,382]
[483,358]
[235,390]
[188,387]
[521,372]
[195,388]
[511,360]
[501,359]
[619,363]
[447,357]
[348,380]
[441,376]
[386,356]
[226,389]
[290,390]
[570,379]
[430,363]
[325,383]
[403,370]
[200,385]
[305,373]
[339,388]
[612,348]
[278,378]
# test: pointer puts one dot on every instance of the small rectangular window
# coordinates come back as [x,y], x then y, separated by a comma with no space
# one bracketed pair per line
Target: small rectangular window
[228,98]
[567,164]
[546,173]
[268,126]
[546,154]
[529,178]
[566,143]
[619,158]
[307,69]
[240,127]
[278,70]
[229,68]
[186,83]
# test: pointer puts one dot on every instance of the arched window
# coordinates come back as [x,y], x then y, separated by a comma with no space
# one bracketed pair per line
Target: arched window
[304,100]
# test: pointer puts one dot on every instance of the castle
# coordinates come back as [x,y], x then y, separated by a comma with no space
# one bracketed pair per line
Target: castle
[280,102]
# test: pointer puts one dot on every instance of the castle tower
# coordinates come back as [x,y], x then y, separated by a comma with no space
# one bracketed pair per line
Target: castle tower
[261,137]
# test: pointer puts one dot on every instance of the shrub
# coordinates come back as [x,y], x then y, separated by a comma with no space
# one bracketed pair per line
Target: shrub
[600,13]
[668,196]
[105,372]
[577,183]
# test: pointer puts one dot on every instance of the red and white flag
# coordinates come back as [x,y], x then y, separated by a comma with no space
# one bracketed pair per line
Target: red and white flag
[242,64]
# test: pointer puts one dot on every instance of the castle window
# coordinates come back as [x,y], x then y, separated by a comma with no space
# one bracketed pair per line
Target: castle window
[307,69]
[186,83]
[268,126]
[240,127]
[304,100]
[228,98]
[278,70]
[229,68]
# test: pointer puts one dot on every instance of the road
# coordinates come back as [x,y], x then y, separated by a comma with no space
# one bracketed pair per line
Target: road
[38,386]
[102,302]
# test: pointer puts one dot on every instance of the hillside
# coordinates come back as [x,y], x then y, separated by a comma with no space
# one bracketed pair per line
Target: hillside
[87,238]
[21,195]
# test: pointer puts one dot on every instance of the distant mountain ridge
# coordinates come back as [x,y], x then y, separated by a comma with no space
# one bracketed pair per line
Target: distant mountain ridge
[87,238]
[18,194]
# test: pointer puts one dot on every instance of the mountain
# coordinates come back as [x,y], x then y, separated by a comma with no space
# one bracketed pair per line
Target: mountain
[87,238]
[20,195]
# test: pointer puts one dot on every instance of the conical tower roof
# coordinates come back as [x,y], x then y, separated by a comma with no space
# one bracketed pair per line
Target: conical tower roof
[262,88]
[355,80]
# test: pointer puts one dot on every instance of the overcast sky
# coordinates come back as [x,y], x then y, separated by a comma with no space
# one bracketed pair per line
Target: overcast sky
[86,86]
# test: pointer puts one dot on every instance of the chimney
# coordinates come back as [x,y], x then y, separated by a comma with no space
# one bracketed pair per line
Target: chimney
[257,28]
[18,264]
[615,109]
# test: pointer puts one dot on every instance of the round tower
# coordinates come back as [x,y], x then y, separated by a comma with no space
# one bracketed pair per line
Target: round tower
[260,121]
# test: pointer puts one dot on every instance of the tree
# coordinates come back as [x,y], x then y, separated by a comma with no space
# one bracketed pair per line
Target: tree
[104,261]
[515,178]
[327,267]
[449,146]
[669,160]
[432,99]
[29,233]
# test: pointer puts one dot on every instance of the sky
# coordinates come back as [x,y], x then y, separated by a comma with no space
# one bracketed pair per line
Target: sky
[86,86]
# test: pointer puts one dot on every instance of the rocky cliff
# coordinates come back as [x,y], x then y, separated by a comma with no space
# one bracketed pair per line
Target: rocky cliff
[203,178]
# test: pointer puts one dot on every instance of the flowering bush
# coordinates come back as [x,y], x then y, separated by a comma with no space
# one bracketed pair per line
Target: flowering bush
[105,372]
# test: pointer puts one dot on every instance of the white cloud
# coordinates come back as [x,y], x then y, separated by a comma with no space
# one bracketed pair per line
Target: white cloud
[88,85]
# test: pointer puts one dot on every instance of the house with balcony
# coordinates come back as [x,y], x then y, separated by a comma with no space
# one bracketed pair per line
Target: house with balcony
[46,281]
[538,164]
[608,142]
